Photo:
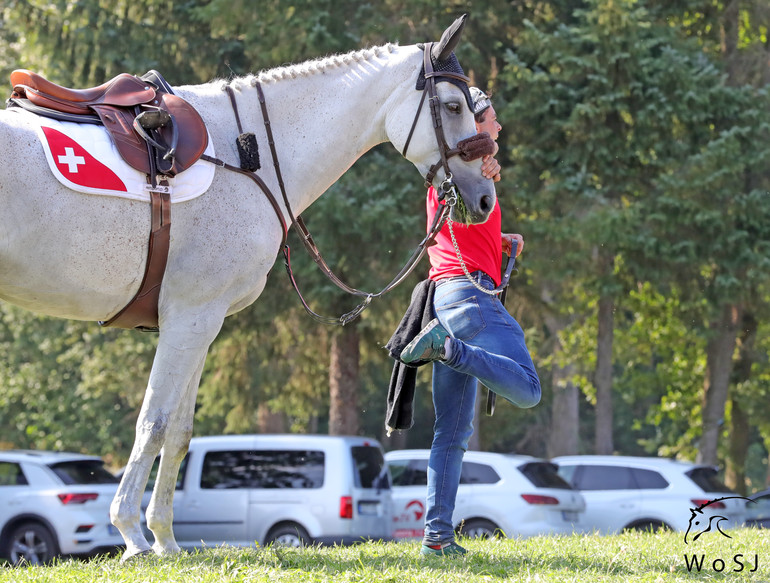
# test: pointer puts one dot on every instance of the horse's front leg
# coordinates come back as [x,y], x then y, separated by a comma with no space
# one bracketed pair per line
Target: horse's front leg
[181,350]
[160,512]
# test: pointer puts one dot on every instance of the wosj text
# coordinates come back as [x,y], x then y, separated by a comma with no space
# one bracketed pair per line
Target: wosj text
[737,564]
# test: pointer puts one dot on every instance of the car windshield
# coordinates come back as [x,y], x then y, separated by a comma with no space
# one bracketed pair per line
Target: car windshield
[706,479]
[83,472]
[544,475]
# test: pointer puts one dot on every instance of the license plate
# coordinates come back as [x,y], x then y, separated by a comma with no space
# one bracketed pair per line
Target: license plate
[369,508]
[569,515]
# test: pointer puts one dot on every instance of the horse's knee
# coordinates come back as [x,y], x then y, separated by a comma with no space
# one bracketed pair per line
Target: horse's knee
[151,434]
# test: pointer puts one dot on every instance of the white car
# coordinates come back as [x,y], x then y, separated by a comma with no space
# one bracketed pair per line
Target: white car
[54,503]
[289,490]
[647,493]
[499,495]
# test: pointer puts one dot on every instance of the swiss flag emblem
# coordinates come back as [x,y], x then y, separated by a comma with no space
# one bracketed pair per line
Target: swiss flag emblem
[78,166]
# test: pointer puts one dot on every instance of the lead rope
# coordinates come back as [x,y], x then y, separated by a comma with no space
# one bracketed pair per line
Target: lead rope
[451,199]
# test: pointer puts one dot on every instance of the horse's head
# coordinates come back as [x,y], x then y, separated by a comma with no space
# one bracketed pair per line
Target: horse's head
[431,127]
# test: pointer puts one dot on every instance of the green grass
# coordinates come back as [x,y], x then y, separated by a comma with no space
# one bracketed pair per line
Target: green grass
[585,559]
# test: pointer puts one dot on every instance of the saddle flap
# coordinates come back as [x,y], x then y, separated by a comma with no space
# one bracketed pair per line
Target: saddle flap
[119,124]
[193,137]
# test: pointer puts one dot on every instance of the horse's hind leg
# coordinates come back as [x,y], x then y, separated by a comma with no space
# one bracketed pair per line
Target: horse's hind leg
[160,512]
[181,350]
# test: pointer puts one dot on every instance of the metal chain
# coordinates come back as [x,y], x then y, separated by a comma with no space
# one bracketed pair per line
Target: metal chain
[477,285]
[451,199]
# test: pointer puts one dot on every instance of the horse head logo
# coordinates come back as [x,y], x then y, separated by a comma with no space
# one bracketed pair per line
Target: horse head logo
[700,522]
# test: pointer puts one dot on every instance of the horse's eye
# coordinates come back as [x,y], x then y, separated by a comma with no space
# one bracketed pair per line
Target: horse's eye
[453,107]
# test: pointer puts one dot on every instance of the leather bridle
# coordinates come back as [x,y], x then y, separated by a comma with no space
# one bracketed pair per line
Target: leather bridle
[445,152]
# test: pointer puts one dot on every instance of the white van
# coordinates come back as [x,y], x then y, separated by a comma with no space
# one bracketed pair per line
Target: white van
[288,489]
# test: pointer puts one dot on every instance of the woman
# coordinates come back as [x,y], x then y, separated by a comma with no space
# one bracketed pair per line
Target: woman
[472,338]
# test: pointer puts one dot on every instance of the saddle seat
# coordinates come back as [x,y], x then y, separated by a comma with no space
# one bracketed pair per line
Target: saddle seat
[123,91]
[117,103]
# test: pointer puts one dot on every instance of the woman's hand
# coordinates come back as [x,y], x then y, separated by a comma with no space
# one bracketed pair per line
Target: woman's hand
[490,168]
[509,240]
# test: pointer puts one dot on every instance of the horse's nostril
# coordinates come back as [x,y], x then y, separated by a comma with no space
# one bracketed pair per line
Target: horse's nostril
[486,204]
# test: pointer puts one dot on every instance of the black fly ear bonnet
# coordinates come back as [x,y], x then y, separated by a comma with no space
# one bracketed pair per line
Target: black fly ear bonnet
[444,60]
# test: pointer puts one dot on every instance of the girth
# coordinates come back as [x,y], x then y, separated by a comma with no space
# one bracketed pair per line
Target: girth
[142,311]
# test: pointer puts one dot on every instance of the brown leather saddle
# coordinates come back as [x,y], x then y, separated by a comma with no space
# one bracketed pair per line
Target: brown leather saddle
[145,120]
[155,131]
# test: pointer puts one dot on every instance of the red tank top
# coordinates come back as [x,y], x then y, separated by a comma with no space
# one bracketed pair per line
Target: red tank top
[481,246]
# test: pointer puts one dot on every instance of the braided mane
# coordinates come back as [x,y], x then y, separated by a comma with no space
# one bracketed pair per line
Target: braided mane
[317,66]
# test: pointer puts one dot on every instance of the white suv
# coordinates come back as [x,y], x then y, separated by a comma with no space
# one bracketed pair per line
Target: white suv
[54,503]
[647,493]
[286,489]
[499,494]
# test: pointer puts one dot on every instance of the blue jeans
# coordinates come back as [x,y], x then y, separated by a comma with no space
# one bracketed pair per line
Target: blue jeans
[487,345]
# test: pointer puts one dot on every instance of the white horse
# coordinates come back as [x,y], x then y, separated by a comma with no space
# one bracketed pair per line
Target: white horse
[81,256]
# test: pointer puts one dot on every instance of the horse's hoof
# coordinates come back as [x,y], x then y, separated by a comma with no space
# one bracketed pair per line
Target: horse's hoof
[165,551]
[131,556]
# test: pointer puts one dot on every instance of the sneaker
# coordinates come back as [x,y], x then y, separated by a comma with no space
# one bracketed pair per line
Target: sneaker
[427,345]
[443,550]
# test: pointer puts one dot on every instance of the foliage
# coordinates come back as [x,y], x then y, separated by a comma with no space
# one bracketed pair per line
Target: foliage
[617,117]
[69,386]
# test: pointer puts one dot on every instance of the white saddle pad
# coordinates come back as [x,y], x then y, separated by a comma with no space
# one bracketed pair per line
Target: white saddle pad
[83,158]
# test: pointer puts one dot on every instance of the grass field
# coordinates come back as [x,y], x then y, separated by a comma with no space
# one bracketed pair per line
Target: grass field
[624,558]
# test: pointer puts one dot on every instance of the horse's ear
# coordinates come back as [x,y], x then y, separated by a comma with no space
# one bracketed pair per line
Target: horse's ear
[446,46]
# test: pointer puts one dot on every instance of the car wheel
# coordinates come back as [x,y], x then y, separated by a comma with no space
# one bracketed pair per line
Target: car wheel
[287,535]
[479,528]
[31,543]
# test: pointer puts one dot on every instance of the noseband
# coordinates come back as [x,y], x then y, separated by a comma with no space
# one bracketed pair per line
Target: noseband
[472,148]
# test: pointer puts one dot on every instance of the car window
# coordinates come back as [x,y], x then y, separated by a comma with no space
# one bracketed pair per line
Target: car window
[567,472]
[11,475]
[759,508]
[544,475]
[263,469]
[649,479]
[409,472]
[474,473]
[707,480]
[369,465]
[83,472]
[596,477]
